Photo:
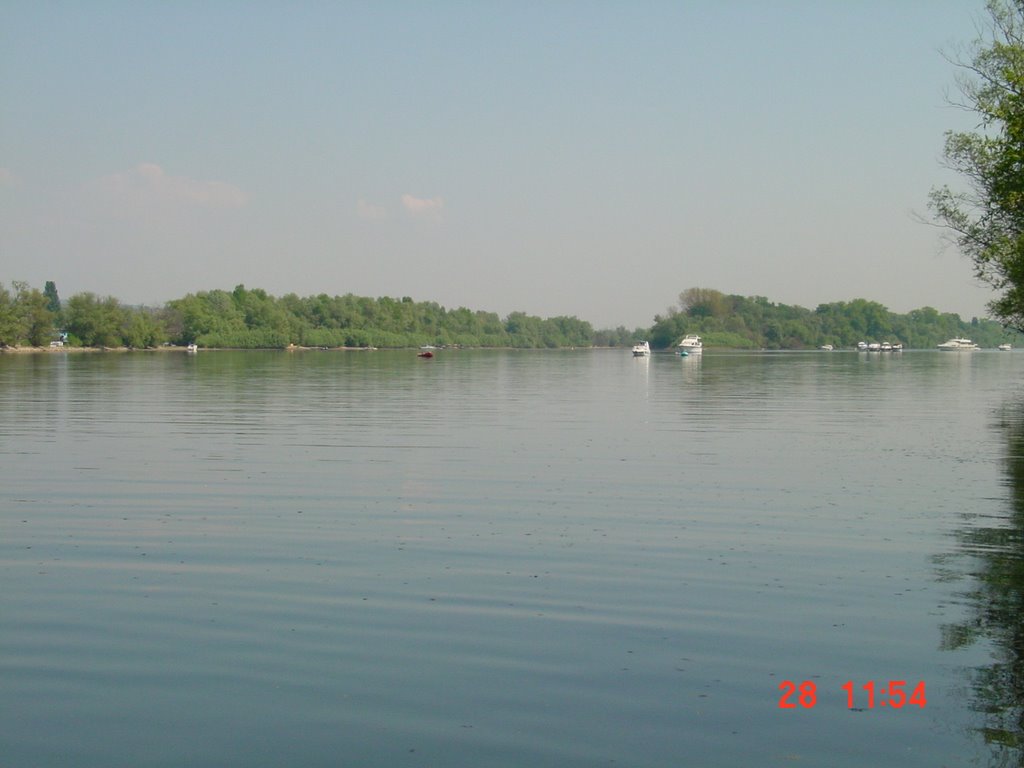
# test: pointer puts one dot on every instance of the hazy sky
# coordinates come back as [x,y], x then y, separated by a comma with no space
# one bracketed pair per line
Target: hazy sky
[558,157]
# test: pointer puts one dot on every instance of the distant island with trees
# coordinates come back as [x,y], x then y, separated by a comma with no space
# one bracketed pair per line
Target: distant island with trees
[247,318]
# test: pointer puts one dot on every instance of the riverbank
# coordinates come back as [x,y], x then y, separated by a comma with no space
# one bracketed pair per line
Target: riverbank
[168,348]
[66,349]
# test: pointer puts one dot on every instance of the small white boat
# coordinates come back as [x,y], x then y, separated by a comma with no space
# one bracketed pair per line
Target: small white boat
[958,345]
[826,347]
[691,344]
[193,348]
[1005,347]
[862,346]
[886,346]
[641,349]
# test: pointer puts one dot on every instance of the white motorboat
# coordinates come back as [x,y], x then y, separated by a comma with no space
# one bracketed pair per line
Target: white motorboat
[826,347]
[691,344]
[884,346]
[641,349]
[958,345]
[1005,347]
[192,348]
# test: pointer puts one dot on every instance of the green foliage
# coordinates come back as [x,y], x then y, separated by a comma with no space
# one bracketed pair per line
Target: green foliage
[727,340]
[142,328]
[205,314]
[24,317]
[94,321]
[987,220]
[52,299]
[703,302]
[619,337]
[755,323]
[252,319]
[10,323]
[36,321]
[98,322]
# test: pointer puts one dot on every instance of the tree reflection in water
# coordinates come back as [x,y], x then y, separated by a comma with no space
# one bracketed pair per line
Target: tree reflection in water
[995,551]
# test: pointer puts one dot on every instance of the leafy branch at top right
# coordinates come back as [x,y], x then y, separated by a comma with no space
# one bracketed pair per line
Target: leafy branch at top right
[986,218]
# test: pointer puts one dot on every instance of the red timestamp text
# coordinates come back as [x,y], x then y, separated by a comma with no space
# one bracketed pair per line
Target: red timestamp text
[893,693]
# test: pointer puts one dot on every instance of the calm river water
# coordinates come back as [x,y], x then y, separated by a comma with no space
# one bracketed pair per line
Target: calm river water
[500,558]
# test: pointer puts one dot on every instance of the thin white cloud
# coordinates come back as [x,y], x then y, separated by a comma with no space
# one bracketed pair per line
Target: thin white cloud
[421,207]
[147,184]
[370,212]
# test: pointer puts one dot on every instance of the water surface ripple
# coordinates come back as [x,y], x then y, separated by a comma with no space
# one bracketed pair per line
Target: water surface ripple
[570,558]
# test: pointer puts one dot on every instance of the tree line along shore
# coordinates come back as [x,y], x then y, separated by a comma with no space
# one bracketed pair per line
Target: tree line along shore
[253,319]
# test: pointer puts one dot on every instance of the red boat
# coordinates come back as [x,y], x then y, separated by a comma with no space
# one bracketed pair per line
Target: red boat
[425,354]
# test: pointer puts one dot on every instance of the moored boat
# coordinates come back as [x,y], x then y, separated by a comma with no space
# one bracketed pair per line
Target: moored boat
[691,344]
[641,349]
[1005,347]
[958,345]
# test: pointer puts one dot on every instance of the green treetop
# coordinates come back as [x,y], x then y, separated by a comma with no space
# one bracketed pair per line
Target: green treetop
[987,219]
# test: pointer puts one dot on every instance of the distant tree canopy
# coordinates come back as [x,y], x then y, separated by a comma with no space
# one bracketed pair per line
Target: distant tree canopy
[756,323]
[987,220]
[52,299]
[250,318]
[703,302]
[24,317]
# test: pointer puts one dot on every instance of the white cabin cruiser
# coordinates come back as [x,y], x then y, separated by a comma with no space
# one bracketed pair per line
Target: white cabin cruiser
[958,345]
[641,349]
[691,344]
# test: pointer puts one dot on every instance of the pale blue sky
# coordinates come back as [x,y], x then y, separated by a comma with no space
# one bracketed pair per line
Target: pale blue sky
[583,158]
